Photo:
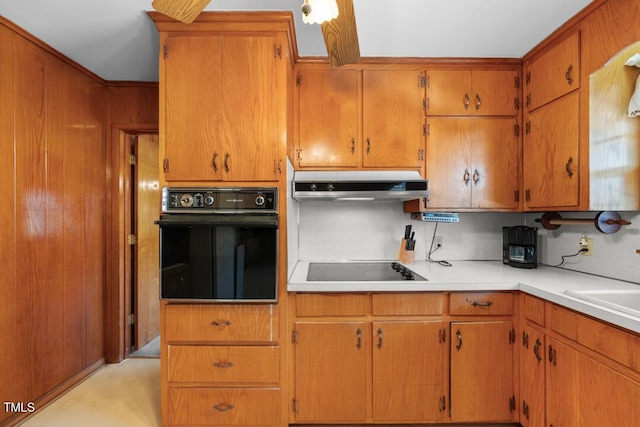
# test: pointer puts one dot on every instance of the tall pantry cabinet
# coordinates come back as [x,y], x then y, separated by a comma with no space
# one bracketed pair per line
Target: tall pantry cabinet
[225,91]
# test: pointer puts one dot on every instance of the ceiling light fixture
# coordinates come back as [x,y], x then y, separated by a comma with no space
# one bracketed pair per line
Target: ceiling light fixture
[319,11]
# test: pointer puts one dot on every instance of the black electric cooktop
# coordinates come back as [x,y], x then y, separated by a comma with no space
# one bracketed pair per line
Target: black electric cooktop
[360,272]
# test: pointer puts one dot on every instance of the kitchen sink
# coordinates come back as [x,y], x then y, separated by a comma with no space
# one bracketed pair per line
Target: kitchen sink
[625,300]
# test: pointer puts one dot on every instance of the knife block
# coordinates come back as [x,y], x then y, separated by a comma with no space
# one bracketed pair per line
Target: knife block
[405,256]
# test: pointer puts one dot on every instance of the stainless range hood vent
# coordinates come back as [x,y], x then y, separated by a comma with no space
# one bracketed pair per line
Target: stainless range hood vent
[359,185]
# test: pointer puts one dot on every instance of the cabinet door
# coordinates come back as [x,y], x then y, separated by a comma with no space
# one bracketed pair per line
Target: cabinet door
[532,374]
[251,108]
[495,145]
[550,155]
[555,73]
[449,162]
[330,371]
[393,119]
[408,371]
[476,92]
[328,118]
[449,93]
[495,92]
[482,385]
[192,116]
[605,397]
[561,385]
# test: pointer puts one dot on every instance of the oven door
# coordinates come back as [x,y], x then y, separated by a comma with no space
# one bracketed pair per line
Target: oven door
[218,257]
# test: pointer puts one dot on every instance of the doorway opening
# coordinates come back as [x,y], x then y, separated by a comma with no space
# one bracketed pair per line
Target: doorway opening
[141,203]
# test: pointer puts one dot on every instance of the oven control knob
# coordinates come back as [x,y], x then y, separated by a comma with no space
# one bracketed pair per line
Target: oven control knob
[186,200]
[260,201]
[209,200]
[330,187]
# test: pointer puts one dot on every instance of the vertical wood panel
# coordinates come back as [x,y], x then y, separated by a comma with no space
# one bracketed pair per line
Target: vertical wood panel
[74,222]
[30,220]
[54,242]
[95,164]
[8,316]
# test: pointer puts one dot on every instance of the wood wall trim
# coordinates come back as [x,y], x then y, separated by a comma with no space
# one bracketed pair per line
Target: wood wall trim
[47,48]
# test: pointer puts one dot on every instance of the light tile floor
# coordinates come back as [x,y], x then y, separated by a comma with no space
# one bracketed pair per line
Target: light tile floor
[126,394]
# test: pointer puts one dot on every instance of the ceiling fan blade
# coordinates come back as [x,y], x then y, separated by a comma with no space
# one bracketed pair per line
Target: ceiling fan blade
[341,36]
[182,10]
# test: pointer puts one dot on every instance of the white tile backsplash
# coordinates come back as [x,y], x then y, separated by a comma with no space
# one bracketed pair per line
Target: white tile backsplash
[334,230]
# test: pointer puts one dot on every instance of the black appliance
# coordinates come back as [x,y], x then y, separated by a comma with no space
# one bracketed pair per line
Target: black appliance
[360,272]
[219,244]
[520,246]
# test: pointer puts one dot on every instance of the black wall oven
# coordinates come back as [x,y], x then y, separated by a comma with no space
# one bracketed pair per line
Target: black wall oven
[219,244]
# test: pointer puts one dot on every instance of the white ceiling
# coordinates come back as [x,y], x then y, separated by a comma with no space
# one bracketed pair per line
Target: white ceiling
[116,40]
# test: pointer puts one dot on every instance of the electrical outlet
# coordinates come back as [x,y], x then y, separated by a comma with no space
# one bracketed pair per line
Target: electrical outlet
[437,242]
[586,243]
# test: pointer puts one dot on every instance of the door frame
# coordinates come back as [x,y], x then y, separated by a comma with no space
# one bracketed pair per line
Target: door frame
[118,266]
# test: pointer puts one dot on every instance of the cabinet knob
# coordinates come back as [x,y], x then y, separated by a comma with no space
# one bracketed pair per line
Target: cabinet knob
[478,102]
[466,101]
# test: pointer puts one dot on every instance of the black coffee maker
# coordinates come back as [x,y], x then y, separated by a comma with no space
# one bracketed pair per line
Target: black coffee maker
[519,246]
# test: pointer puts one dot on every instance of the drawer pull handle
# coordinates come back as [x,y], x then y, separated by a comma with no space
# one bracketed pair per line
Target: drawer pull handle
[459,336]
[480,304]
[222,324]
[223,365]
[223,408]
[379,338]
[359,335]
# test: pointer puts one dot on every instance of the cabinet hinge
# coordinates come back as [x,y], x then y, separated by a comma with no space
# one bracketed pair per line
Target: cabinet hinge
[131,239]
[421,155]
[299,79]
[165,51]
[516,103]
[165,165]
[425,103]
[516,130]
[527,195]
[443,403]
[294,336]
[426,129]
[422,80]
[299,154]
[132,159]
[517,82]
[131,319]
[516,196]
[443,336]
[426,80]
[512,403]
[512,336]
[528,100]
[277,51]
[527,128]
[528,77]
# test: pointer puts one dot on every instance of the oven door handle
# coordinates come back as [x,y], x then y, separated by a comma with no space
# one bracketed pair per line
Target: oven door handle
[254,221]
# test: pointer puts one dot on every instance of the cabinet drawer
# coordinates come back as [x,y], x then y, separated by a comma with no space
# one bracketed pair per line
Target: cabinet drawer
[224,407]
[481,303]
[332,304]
[221,322]
[533,309]
[407,304]
[223,364]
[616,344]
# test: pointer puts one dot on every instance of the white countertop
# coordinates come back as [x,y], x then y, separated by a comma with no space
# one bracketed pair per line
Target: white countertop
[548,283]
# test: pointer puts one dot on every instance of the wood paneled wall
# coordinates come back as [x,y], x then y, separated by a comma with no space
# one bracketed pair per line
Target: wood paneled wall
[53,162]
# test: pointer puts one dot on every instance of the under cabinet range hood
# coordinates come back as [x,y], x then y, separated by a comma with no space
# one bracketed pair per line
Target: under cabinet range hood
[359,185]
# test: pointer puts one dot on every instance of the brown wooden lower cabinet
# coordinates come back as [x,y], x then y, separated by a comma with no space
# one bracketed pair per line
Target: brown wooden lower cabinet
[482,374]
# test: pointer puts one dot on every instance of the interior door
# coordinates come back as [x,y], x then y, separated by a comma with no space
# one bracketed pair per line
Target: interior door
[146,267]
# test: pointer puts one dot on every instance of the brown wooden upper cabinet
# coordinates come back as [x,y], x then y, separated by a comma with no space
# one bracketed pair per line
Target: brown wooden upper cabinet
[360,119]
[553,74]
[472,93]
[222,102]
